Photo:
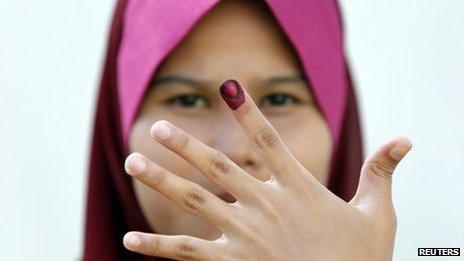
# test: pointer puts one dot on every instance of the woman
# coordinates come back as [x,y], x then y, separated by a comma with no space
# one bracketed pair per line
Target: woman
[264,167]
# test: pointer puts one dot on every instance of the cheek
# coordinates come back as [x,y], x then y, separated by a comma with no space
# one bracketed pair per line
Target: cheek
[155,207]
[310,141]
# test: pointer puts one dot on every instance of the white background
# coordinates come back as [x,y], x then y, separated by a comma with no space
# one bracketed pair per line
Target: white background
[408,64]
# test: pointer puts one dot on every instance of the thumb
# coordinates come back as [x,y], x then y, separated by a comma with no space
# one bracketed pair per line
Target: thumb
[376,173]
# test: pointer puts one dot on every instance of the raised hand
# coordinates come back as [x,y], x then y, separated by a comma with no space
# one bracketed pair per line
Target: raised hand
[288,217]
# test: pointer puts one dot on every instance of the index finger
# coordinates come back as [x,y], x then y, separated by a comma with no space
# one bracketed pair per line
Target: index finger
[262,135]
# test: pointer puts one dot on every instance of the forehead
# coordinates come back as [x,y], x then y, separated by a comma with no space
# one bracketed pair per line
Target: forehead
[236,22]
[238,36]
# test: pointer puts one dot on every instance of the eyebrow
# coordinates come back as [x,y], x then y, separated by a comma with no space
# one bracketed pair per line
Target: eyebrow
[299,77]
[179,79]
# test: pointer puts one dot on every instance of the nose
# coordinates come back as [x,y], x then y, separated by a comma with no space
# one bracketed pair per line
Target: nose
[229,138]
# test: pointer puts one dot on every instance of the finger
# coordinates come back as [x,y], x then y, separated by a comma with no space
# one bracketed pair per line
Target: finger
[179,247]
[260,132]
[215,165]
[376,173]
[189,195]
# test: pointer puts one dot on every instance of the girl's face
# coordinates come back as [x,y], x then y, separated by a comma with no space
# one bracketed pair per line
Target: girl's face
[239,40]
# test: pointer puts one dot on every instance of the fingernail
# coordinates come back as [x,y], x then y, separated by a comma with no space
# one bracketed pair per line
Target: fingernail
[137,164]
[160,130]
[232,93]
[132,241]
[399,150]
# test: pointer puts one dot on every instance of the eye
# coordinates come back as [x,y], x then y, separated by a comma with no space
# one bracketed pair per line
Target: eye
[279,99]
[188,101]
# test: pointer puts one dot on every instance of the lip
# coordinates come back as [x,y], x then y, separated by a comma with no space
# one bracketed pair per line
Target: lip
[227,197]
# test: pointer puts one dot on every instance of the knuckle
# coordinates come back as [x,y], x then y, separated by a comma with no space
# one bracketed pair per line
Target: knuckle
[266,138]
[194,198]
[155,244]
[380,168]
[181,142]
[245,109]
[185,249]
[219,165]
[159,177]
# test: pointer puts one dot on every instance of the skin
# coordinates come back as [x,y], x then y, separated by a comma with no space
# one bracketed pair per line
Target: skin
[275,169]
[235,40]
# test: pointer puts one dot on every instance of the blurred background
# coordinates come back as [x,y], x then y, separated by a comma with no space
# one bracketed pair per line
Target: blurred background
[407,59]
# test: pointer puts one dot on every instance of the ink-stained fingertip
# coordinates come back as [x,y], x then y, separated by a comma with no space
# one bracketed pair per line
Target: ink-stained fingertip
[232,93]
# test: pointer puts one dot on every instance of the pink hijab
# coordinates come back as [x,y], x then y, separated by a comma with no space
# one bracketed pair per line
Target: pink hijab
[143,33]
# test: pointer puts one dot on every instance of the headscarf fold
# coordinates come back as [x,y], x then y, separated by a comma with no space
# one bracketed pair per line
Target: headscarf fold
[143,33]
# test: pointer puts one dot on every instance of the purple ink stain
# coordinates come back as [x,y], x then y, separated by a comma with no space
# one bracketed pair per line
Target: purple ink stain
[232,93]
